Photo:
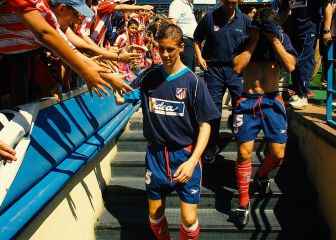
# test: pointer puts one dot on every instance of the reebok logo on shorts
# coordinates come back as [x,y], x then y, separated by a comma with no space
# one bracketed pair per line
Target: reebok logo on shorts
[193,191]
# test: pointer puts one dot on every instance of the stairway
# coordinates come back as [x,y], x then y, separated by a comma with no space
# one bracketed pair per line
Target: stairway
[126,216]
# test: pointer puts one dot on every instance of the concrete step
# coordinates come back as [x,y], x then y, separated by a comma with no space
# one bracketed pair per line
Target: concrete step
[133,163]
[133,159]
[134,141]
[131,191]
[130,223]
[136,123]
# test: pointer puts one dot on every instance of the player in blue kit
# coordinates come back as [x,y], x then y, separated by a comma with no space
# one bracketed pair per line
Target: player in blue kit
[261,107]
[176,108]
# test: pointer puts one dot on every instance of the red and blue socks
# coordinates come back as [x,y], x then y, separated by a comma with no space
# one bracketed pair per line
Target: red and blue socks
[243,178]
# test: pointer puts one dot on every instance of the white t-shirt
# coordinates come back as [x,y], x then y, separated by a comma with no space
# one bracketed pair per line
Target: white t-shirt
[182,12]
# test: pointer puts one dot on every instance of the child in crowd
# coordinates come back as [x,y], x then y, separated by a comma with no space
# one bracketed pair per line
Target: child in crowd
[129,40]
[177,109]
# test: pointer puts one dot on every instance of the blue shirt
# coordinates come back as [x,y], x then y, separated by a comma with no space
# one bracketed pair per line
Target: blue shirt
[306,15]
[223,39]
[173,106]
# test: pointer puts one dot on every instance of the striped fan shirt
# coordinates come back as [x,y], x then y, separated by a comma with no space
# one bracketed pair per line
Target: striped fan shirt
[102,18]
[15,36]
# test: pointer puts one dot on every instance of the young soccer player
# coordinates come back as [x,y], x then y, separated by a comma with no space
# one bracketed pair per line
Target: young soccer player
[261,107]
[177,109]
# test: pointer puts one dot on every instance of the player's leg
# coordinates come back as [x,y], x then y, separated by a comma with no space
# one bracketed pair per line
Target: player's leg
[189,228]
[157,220]
[215,83]
[155,183]
[243,178]
[189,194]
[275,130]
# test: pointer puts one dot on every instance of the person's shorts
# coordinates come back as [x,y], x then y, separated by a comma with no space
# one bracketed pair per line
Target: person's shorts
[161,165]
[260,112]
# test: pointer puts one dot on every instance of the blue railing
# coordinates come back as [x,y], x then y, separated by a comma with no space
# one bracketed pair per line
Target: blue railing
[65,137]
[331,87]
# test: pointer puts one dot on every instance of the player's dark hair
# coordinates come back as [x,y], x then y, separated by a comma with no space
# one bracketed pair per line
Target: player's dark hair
[170,31]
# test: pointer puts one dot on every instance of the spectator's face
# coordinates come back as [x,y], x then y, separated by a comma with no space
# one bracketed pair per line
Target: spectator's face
[133,28]
[252,13]
[67,16]
[170,50]
[230,4]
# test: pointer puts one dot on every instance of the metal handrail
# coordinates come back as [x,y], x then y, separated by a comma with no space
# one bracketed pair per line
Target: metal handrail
[331,87]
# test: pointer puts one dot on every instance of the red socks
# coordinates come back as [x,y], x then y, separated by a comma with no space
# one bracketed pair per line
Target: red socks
[160,229]
[243,178]
[188,234]
[268,165]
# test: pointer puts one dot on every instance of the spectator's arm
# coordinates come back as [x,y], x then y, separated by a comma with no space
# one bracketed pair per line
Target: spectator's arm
[51,38]
[128,7]
[80,43]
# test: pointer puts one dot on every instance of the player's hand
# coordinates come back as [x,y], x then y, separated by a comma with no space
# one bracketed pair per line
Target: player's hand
[6,152]
[270,36]
[327,38]
[185,171]
[203,64]
[119,98]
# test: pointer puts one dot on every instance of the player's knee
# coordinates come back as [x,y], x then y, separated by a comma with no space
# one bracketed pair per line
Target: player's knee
[244,155]
[278,153]
[189,220]
[156,213]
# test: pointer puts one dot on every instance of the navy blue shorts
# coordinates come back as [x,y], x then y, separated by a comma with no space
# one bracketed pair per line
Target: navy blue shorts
[260,112]
[161,165]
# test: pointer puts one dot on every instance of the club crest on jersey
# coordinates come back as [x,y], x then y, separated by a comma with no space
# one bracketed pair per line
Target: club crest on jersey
[181,93]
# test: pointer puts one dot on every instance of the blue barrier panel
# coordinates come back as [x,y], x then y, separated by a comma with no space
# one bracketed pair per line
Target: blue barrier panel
[60,146]
[331,88]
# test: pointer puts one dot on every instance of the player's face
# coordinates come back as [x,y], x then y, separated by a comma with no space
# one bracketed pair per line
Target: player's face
[170,51]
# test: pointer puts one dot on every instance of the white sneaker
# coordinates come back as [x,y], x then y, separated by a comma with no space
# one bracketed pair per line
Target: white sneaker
[294,98]
[299,103]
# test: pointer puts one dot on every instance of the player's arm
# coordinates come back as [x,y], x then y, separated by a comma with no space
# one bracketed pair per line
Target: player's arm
[287,59]
[185,170]
[199,36]
[327,19]
[242,60]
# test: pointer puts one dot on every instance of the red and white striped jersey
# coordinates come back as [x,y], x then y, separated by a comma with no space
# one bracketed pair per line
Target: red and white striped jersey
[15,36]
[99,27]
